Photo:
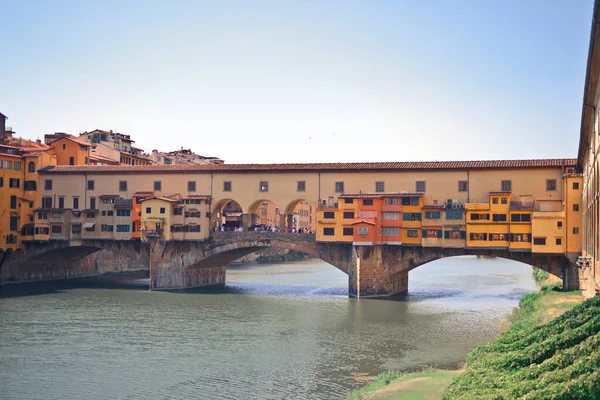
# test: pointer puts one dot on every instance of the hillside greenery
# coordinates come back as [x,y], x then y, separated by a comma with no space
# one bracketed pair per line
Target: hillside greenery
[555,360]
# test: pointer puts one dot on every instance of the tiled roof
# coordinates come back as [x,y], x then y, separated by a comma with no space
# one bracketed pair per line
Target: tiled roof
[160,198]
[10,155]
[197,196]
[73,139]
[500,193]
[322,167]
[363,221]
[103,159]
[377,195]
[108,196]
[433,206]
[143,193]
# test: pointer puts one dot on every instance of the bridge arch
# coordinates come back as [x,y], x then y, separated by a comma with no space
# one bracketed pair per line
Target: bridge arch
[226,213]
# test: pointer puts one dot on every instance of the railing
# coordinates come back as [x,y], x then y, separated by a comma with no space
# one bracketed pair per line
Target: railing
[521,205]
[152,232]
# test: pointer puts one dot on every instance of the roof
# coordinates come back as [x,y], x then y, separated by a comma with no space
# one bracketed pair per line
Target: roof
[108,196]
[103,159]
[363,221]
[591,85]
[500,193]
[72,139]
[434,206]
[377,195]
[197,196]
[142,193]
[160,198]
[318,167]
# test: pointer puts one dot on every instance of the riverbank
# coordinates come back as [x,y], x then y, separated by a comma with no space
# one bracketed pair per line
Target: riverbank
[534,312]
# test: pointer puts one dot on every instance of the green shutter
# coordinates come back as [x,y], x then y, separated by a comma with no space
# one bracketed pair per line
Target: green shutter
[439,233]
[446,234]
[424,233]
[463,234]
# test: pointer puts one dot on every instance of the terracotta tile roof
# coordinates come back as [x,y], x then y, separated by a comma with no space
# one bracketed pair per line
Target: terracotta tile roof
[160,198]
[322,167]
[73,139]
[34,153]
[179,205]
[10,155]
[108,196]
[363,221]
[378,195]
[500,193]
[94,157]
[433,206]
[197,196]
[143,193]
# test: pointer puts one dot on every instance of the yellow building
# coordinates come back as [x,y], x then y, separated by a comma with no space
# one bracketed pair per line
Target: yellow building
[69,150]
[175,218]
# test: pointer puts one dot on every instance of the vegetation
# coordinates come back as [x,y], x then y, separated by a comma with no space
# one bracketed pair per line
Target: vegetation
[289,256]
[559,359]
[540,275]
[409,386]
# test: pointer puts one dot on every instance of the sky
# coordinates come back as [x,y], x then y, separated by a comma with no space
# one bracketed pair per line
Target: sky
[277,81]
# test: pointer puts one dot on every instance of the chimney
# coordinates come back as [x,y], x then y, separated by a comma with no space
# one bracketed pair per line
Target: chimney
[2,127]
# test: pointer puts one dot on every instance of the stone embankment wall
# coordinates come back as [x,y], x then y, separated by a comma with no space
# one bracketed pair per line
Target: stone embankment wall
[55,267]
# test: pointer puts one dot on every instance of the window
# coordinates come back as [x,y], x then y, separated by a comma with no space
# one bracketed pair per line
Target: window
[90,185]
[263,186]
[362,231]
[348,231]
[14,183]
[82,147]
[559,224]
[71,160]
[85,160]
[576,231]
[1,178]
[46,202]
[575,185]
[454,234]
[453,215]
[494,200]
[75,203]
[558,241]
[520,218]
[539,241]
[506,186]
[61,202]
[328,231]
[420,186]
[107,228]
[157,186]
[550,185]
[122,186]
[178,211]
[504,200]
[478,236]
[109,200]
[48,184]
[163,210]
[499,217]
[414,201]
[64,146]
[575,207]
[103,213]
[498,237]
[463,186]
[123,213]
[480,217]
[433,214]
[367,202]
[76,228]
[391,215]
[90,214]
[92,203]
[412,233]
[432,233]
[391,200]
[13,223]
[329,214]
[520,237]
[227,186]
[390,231]
[348,201]
[13,201]
[192,228]
[301,186]
[348,214]
[56,229]
[7,164]
[148,210]
[31,166]
[379,186]
[122,228]
[339,187]
[17,166]
[411,216]
[30,185]
[193,214]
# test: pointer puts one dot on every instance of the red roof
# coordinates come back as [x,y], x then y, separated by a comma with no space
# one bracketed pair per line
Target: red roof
[363,221]
[72,139]
[197,196]
[320,167]
[95,157]
[143,193]
[434,206]
[378,195]
[500,193]
[160,198]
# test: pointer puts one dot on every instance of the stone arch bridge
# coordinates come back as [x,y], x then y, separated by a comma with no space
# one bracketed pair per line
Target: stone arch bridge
[372,270]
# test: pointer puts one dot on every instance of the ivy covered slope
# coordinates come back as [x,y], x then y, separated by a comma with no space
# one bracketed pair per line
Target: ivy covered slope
[557,360]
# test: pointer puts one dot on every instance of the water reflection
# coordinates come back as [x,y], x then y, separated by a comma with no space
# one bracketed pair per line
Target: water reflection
[285,331]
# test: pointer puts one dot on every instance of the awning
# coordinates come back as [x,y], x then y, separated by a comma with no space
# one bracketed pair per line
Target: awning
[88,225]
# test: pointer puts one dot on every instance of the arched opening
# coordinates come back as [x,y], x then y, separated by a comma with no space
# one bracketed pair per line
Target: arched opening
[227,215]
[265,215]
[301,213]
[31,166]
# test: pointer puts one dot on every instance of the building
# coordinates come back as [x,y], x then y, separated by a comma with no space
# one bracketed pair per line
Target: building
[182,156]
[115,146]
[68,149]
[588,159]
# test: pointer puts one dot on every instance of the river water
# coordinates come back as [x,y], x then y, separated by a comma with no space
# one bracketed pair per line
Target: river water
[280,331]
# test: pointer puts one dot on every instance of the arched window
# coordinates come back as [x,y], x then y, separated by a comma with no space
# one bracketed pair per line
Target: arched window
[31,167]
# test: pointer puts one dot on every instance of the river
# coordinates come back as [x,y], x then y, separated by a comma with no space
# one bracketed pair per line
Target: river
[278,331]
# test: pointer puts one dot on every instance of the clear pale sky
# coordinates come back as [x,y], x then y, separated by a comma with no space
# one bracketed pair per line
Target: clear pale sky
[303,81]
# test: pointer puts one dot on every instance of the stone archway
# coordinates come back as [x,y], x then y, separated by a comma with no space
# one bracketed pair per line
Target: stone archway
[227,214]
[263,214]
[300,214]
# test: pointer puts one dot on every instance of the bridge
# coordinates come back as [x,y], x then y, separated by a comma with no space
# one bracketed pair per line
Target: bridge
[372,270]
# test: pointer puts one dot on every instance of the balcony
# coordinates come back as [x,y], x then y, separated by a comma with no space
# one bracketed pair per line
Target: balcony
[152,232]
[521,205]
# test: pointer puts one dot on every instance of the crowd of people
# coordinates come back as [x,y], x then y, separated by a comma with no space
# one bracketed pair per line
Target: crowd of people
[266,228]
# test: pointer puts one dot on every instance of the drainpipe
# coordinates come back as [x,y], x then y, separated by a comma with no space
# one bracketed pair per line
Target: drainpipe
[85,191]
[468,186]
[319,190]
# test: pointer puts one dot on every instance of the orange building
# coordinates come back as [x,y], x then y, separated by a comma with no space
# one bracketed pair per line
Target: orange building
[69,150]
